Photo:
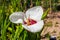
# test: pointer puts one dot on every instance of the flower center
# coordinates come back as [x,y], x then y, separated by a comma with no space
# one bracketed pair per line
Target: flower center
[30,22]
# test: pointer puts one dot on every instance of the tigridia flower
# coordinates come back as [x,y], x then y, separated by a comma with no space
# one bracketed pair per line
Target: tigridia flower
[31,19]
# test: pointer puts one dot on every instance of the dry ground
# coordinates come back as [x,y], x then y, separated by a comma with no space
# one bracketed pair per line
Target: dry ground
[52,26]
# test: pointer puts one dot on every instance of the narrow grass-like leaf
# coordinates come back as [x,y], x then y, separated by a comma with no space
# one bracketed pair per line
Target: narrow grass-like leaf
[18,31]
[25,35]
[10,29]
[45,14]
[3,31]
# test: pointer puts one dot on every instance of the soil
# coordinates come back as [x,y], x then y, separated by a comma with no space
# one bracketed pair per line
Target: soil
[52,26]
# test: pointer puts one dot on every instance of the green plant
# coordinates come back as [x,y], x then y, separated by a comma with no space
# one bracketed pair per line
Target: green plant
[10,31]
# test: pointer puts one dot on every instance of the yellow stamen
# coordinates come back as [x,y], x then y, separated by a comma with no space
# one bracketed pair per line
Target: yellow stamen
[28,23]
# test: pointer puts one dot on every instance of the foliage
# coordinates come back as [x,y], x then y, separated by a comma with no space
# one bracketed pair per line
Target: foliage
[10,31]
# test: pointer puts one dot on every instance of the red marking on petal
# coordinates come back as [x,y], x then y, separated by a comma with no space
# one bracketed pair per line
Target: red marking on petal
[25,22]
[31,22]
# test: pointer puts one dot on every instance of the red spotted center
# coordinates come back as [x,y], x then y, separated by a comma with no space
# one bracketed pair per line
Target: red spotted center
[30,22]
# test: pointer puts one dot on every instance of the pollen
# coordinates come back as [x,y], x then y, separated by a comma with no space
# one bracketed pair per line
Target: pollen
[30,22]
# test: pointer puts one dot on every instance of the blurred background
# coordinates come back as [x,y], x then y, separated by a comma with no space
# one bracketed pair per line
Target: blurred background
[10,31]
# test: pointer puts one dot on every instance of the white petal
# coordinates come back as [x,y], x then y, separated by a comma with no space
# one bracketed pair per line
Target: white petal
[35,27]
[17,17]
[26,27]
[35,13]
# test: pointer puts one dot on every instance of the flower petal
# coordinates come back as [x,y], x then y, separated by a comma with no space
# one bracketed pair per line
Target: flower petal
[35,13]
[35,27]
[17,17]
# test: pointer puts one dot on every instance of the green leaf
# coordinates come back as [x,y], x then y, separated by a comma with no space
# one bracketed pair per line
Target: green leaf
[45,14]
[10,29]
[4,27]
[18,31]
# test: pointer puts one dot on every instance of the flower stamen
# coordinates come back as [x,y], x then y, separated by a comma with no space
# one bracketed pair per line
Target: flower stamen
[30,22]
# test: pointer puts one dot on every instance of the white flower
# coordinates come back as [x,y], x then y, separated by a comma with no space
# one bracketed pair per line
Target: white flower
[31,20]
